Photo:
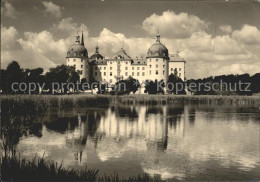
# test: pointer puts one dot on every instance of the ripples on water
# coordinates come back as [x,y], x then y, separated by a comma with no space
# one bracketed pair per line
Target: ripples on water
[185,142]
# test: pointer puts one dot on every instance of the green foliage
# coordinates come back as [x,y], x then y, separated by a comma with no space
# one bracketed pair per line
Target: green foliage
[16,169]
[127,86]
[176,85]
[227,85]
[62,74]
[154,87]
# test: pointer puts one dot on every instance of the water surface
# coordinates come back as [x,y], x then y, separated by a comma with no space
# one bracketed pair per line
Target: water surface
[174,142]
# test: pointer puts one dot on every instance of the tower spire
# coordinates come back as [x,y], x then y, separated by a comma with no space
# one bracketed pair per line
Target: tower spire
[97,49]
[77,37]
[82,39]
[158,36]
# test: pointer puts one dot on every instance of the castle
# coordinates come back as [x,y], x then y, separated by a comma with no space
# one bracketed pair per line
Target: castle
[158,64]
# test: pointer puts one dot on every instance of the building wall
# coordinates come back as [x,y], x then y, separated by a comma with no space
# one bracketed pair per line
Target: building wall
[81,65]
[157,69]
[180,66]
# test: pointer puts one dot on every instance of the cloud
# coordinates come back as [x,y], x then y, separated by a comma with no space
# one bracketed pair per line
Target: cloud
[174,25]
[42,50]
[247,34]
[52,9]
[9,11]
[226,29]
[206,55]
[9,37]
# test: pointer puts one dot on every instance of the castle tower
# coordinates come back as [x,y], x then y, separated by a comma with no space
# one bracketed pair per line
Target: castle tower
[157,61]
[77,56]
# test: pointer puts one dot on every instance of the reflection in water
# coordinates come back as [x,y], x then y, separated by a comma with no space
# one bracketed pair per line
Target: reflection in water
[190,142]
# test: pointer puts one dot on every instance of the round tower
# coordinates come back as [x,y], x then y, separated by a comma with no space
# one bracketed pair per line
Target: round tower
[77,56]
[157,61]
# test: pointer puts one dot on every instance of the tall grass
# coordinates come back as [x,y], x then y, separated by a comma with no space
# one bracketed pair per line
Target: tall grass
[171,99]
[16,169]
[21,104]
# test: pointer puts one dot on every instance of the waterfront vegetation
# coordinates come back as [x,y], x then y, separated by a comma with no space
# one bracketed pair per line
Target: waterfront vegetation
[39,169]
[21,104]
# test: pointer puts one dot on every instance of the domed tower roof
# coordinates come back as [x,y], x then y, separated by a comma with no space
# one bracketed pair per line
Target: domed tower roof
[157,50]
[77,49]
[96,55]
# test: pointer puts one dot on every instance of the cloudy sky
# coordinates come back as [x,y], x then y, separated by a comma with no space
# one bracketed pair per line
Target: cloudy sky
[215,37]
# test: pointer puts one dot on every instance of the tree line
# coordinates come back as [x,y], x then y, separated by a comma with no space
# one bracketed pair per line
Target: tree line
[63,74]
[228,85]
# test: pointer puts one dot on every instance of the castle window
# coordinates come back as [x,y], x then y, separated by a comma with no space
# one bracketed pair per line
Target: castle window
[110,62]
[95,68]
[110,80]
[126,74]
[137,73]
[137,68]
[74,65]
[95,73]
[111,74]
[126,68]
[68,60]
[133,74]
[126,62]
[100,68]
[143,68]
[156,72]
[150,66]
[171,69]
[104,73]
[163,66]
[150,72]
[105,68]
[150,60]
[110,68]
[81,60]
[74,60]
[179,69]
[143,74]
[157,66]
[81,66]
[163,72]
[156,60]
[133,68]
[180,75]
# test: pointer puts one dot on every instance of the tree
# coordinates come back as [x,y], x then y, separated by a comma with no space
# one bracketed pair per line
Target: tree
[13,75]
[34,76]
[60,76]
[154,87]
[127,86]
[176,85]
[255,83]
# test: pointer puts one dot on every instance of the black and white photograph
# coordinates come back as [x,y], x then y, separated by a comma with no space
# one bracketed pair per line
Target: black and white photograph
[130,90]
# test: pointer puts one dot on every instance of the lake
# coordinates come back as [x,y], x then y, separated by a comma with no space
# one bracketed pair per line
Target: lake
[173,142]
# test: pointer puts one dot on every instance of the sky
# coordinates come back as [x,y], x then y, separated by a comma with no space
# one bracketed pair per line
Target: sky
[215,36]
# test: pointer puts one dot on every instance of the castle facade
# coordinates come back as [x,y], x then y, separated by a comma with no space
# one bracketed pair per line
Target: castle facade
[158,64]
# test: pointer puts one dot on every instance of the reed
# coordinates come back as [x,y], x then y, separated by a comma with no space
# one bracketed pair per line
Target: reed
[21,104]
[16,169]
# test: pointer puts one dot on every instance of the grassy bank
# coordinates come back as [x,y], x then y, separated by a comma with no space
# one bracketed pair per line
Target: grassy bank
[16,169]
[31,104]
[196,99]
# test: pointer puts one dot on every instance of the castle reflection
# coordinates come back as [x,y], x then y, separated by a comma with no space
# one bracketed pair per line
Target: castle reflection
[162,140]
